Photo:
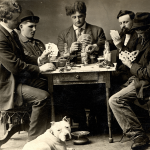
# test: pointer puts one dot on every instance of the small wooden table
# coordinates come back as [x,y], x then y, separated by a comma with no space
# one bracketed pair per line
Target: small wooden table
[89,74]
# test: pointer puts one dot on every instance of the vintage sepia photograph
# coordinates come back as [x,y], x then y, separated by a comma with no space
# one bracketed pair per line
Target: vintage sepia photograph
[74,74]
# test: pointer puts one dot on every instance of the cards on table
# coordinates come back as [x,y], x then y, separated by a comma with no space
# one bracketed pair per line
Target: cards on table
[131,56]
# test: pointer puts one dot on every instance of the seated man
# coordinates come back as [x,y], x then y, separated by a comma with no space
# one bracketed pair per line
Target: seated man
[77,13]
[19,74]
[126,41]
[77,96]
[137,86]
[27,25]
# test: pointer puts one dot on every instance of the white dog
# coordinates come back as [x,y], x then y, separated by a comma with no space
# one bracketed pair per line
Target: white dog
[53,139]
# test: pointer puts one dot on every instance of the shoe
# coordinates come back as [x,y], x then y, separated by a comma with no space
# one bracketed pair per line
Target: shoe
[140,141]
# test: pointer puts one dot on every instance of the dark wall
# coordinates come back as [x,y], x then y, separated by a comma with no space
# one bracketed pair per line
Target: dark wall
[99,12]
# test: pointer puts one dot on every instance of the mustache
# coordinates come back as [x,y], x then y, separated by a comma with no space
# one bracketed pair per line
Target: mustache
[124,31]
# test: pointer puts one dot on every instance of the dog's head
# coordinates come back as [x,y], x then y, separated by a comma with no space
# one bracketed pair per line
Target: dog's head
[61,129]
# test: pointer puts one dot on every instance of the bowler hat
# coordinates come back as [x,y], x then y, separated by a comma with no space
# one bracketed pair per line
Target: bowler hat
[28,15]
[142,19]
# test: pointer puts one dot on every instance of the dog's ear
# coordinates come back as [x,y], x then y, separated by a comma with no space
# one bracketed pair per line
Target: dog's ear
[65,119]
[52,123]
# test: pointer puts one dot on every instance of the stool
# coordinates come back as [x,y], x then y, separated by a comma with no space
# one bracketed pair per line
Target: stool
[14,120]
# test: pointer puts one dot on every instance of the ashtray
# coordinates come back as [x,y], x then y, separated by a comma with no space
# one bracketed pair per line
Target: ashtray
[80,137]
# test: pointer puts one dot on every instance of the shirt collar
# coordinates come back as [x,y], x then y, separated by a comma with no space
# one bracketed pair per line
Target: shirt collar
[76,28]
[3,25]
[24,39]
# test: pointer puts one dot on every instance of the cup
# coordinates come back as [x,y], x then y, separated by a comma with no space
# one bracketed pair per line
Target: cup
[62,62]
[55,63]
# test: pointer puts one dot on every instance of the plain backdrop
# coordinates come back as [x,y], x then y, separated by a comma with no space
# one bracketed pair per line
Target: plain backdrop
[102,13]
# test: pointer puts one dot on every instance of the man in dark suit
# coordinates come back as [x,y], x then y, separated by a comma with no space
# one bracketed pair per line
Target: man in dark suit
[78,96]
[126,41]
[137,86]
[77,13]
[19,74]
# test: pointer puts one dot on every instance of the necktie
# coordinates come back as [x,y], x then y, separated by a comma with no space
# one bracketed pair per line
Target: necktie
[79,32]
[15,37]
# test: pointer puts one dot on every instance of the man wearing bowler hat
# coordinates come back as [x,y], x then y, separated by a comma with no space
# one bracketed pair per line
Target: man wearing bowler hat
[27,26]
[137,86]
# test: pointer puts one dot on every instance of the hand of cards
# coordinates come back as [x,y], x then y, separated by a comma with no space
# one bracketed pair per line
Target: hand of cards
[131,56]
[52,48]
[85,39]
[114,34]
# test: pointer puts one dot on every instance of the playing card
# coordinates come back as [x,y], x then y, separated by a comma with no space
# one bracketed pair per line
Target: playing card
[114,33]
[52,48]
[131,56]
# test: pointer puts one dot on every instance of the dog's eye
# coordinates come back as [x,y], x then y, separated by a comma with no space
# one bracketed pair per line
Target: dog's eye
[58,130]
[67,127]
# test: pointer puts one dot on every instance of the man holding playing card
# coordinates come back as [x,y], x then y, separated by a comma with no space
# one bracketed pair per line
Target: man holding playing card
[137,86]
[78,96]
[19,73]
[125,40]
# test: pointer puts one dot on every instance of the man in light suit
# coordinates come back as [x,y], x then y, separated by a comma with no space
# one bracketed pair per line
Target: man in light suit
[80,95]
[19,74]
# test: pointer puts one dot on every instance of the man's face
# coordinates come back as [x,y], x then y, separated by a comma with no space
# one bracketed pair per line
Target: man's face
[28,29]
[125,22]
[78,19]
[13,23]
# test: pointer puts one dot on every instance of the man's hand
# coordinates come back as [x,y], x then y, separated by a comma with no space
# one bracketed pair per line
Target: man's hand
[44,57]
[75,46]
[91,48]
[86,41]
[47,67]
[127,62]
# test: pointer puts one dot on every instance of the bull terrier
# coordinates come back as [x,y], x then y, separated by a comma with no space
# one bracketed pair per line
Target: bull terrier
[53,139]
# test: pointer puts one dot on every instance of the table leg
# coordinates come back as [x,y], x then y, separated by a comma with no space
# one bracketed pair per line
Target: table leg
[50,88]
[109,115]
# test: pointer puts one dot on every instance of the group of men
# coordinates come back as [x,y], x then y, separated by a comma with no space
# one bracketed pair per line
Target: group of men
[23,59]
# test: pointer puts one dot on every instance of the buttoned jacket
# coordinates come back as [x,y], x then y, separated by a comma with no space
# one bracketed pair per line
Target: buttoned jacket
[13,62]
[69,36]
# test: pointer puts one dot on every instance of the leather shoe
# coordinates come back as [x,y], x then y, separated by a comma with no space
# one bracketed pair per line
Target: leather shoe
[140,141]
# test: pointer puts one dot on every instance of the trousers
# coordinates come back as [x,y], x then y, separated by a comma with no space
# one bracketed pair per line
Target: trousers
[34,93]
[120,105]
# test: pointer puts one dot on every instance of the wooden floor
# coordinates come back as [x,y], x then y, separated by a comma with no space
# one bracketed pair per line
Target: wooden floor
[98,142]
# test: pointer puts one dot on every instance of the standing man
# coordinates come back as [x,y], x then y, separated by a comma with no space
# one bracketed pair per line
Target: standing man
[19,74]
[27,26]
[126,41]
[77,96]
[138,85]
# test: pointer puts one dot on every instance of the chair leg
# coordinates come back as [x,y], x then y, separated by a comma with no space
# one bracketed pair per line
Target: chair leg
[12,130]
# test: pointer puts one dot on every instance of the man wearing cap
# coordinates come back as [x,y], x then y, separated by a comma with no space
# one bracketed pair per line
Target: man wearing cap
[126,41]
[19,74]
[138,85]
[28,22]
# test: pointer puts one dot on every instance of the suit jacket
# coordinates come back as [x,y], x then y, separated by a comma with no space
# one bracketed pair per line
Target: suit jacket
[69,36]
[122,70]
[13,63]
[141,70]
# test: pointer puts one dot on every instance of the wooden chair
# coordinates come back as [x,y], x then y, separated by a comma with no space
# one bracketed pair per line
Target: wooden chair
[14,120]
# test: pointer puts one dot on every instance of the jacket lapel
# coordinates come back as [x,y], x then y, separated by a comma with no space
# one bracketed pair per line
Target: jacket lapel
[8,35]
[71,36]
[88,30]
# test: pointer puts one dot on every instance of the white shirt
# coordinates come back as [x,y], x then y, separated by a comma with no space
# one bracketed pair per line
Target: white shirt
[127,39]
[76,29]
[3,25]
